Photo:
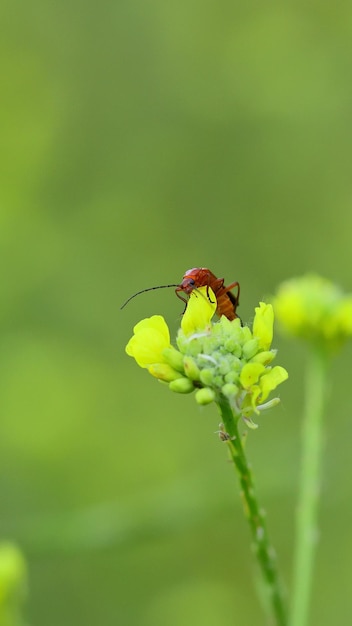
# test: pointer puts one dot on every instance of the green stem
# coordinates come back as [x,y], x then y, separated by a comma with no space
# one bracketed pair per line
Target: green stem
[256,517]
[306,522]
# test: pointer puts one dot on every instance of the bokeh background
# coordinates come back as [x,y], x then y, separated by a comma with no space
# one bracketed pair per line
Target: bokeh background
[140,139]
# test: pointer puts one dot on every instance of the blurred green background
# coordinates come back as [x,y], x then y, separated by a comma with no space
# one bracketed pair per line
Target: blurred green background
[140,139]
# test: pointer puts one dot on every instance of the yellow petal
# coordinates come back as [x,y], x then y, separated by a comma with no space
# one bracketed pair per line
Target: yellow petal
[269,382]
[200,309]
[155,322]
[263,325]
[151,337]
[250,374]
[164,371]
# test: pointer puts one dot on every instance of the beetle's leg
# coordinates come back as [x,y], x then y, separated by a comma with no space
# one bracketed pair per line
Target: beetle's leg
[177,292]
[208,295]
[232,286]
[216,286]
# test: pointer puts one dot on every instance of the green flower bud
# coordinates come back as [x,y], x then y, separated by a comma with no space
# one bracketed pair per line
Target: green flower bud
[174,358]
[210,344]
[231,377]
[205,395]
[264,357]
[230,390]
[181,385]
[191,368]
[182,341]
[232,345]
[207,376]
[236,364]
[224,365]
[230,328]
[193,346]
[218,381]
[250,348]
[246,335]
[164,372]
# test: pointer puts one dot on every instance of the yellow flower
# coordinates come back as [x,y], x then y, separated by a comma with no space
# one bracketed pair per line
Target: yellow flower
[259,381]
[263,325]
[150,347]
[215,359]
[268,382]
[200,309]
[151,337]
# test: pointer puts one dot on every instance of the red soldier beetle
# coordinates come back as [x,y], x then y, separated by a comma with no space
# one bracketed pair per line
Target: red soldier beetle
[227,302]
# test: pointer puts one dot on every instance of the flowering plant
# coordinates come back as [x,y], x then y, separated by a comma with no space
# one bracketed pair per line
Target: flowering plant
[215,359]
[231,365]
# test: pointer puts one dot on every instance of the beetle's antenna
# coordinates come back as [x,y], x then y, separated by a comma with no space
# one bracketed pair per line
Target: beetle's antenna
[143,290]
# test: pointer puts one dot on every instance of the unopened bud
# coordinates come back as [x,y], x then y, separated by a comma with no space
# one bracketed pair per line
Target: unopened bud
[230,390]
[250,348]
[191,368]
[174,358]
[164,372]
[205,395]
[181,385]
[264,357]
[206,376]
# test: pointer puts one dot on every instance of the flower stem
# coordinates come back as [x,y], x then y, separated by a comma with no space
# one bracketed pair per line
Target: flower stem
[306,522]
[256,517]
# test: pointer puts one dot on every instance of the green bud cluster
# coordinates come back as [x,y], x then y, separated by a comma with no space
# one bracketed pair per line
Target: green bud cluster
[216,360]
[225,359]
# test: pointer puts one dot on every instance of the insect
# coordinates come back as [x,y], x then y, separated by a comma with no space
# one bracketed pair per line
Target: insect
[227,302]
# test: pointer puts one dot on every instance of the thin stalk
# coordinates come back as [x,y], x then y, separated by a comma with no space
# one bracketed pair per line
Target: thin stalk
[306,521]
[263,549]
